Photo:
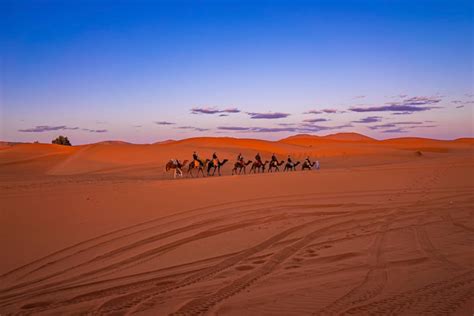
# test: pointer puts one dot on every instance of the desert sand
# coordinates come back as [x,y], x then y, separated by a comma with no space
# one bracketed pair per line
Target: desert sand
[383,228]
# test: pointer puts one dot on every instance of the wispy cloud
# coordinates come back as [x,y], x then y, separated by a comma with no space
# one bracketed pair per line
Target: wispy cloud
[327,111]
[95,130]
[164,123]
[233,128]
[395,130]
[316,120]
[370,119]
[304,128]
[401,113]
[267,116]
[223,115]
[213,110]
[313,112]
[359,97]
[46,128]
[407,105]
[197,129]
[402,125]
[459,106]
[392,108]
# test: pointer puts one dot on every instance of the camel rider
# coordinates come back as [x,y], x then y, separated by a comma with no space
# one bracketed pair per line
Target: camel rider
[308,161]
[215,161]
[274,158]
[196,159]
[289,159]
[258,158]
[240,158]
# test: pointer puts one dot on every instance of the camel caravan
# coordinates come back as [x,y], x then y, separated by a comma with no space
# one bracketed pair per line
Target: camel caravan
[210,166]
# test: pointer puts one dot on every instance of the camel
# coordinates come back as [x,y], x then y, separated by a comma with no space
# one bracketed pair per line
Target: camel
[177,166]
[199,166]
[276,165]
[307,165]
[258,166]
[241,165]
[291,166]
[216,164]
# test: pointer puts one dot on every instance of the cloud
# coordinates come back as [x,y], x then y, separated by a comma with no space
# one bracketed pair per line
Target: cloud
[462,103]
[392,108]
[197,129]
[95,130]
[267,116]
[164,123]
[304,128]
[233,128]
[369,119]
[46,128]
[315,120]
[401,113]
[286,124]
[407,123]
[100,122]
[381,126]
[213,110]
[470,95]
[359,96]
[137,126]
[223,115]
[407,105]
[402,125]
[327,111]
[313,112]
[395,130]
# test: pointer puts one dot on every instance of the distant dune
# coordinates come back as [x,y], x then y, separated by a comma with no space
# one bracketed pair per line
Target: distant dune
[117,157]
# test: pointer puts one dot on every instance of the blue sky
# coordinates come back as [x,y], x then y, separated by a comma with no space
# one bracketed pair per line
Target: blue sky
[144,71]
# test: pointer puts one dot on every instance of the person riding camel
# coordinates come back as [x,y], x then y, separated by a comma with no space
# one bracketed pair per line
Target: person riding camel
[215,160]
[240,158]
[308,161]
[258,158]
[274,158]
[196,160]
[289,159]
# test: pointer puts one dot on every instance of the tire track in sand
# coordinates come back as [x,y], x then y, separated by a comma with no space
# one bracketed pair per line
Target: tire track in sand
[203,304]
[438,298]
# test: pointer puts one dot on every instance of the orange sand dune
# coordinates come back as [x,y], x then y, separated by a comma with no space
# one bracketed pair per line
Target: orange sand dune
[379,229]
